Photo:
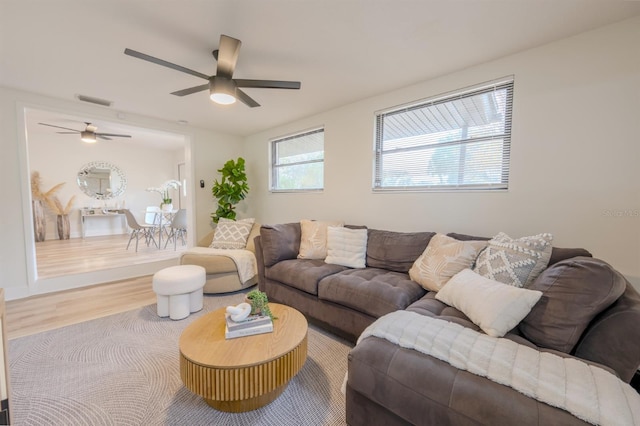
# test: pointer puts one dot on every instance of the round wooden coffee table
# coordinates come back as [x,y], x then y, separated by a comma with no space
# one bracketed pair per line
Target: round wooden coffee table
[244,373]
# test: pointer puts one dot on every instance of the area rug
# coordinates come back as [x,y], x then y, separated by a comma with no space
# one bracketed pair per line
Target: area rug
[124,370]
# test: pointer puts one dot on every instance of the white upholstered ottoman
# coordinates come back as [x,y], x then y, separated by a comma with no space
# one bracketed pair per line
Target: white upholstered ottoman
[179,290]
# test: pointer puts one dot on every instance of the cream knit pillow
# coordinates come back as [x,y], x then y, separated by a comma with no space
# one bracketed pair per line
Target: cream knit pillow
[346,247]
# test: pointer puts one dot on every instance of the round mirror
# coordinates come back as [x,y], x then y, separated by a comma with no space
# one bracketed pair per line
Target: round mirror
[101,180]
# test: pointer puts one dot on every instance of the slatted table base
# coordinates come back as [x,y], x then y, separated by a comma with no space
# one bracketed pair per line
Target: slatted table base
[244,388]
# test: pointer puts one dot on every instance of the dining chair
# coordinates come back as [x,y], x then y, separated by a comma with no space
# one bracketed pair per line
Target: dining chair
[178,228]
[138,231]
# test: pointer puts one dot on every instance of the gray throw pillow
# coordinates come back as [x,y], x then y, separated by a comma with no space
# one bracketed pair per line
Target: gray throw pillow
[574,291]
[280,242]
[395,251]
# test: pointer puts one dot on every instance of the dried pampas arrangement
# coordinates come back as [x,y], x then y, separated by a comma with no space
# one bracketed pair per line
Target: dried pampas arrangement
[39,197]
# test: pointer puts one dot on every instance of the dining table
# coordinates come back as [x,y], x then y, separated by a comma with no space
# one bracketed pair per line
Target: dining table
[163,219]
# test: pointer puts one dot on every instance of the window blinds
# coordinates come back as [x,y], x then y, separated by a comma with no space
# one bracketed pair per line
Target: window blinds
[458,141]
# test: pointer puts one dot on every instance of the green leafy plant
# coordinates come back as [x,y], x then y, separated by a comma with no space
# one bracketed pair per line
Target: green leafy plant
[259,303]
[230,189]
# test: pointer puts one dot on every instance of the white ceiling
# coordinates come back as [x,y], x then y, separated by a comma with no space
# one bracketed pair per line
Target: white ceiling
[341,50]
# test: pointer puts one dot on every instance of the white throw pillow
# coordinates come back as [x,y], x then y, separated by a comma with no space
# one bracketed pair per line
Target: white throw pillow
[442,259]
[346,247]
[231,234]
[513,261]
[313,241]
[493,306]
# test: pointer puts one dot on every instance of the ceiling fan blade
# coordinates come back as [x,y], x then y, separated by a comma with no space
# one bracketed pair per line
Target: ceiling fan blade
[191,90]
[267,84]
[68,133]
[164,63]
[66,128]
[248,100]
[102,136]
[112,135]
[227,56]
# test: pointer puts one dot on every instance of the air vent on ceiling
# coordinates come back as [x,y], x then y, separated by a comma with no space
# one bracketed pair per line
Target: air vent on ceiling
[93,100]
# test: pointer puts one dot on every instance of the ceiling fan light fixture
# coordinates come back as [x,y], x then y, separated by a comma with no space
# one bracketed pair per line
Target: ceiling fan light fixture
[222,91]
[88,137]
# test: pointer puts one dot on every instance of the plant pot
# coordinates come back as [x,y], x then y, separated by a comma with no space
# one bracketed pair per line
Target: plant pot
[254,310]
[39,220]
[63,226]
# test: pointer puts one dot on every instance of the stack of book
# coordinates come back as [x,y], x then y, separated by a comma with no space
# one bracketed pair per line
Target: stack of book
[253,324]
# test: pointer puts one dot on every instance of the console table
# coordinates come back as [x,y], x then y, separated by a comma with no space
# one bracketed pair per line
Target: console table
[88,214]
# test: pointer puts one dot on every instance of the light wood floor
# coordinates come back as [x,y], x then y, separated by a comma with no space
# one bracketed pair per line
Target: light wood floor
[54,310]
[62,257]
[77,255]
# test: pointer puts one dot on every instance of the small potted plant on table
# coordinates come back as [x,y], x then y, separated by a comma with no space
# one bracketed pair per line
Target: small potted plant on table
[259,303]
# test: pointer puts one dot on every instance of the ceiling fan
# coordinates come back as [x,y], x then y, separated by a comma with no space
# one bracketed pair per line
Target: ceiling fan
[223,88]
[89,134]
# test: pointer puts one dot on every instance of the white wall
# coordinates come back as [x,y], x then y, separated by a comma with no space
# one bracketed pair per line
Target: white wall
[209,150]
[574,165]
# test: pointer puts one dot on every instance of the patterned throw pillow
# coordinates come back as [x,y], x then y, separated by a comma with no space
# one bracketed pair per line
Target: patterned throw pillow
[442,259]
[313,240]
[231,234]
[516,262]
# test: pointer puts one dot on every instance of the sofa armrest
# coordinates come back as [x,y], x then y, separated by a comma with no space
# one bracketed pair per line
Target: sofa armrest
[612,337]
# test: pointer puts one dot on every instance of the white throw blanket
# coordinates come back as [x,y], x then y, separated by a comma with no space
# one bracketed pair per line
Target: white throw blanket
[245,260]
[586,391]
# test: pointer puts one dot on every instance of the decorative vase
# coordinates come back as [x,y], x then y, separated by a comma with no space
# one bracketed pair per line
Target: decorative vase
[167,207]
[39,220]
[63,226]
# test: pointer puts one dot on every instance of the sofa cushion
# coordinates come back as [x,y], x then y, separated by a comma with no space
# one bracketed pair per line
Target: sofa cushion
[494,306]
[313,238]
[557,253]
[442,259]
[516,262]
[574,292]
[303,274]
[372,291]
[346,247]
[395,251]
[280,242]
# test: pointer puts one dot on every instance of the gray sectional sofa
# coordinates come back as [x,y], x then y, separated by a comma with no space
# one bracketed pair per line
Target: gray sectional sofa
[588,311]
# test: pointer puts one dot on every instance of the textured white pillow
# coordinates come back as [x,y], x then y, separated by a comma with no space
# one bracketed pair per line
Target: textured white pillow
[346,247]
[493,306]
[231,234]
[442,259]
[313,241]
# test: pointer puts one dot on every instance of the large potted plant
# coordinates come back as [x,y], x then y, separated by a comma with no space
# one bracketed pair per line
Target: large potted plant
[230,189]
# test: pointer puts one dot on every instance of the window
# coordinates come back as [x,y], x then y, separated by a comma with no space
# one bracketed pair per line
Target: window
[297,162]
[459,141]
